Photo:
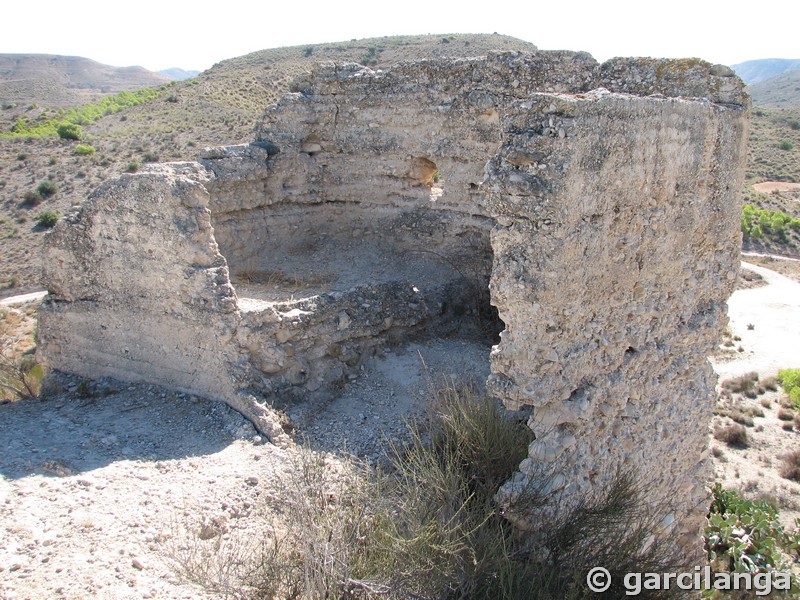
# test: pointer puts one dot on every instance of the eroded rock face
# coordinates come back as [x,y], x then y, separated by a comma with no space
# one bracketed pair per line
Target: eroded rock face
[594,206]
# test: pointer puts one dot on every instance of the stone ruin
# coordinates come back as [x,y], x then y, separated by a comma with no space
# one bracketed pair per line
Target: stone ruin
[582,218]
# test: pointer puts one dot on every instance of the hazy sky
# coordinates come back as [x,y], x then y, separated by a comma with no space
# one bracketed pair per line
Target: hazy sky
[195,35]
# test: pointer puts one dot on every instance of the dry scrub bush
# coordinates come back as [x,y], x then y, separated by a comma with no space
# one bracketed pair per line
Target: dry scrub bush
[746,384]
[428,527]
[790,469]
[733,435]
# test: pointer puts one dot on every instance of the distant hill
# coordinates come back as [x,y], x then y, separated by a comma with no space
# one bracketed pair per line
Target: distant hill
[66,80]
[177,74]
[780,91]
[755,71]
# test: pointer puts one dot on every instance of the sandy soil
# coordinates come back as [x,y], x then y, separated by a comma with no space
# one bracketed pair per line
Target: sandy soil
[92,487]
[97,483]
[767,319]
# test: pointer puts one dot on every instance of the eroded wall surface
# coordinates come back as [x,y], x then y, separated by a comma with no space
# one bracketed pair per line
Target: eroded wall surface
[600,201]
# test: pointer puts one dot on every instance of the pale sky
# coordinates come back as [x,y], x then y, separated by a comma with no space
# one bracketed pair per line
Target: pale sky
[195,35]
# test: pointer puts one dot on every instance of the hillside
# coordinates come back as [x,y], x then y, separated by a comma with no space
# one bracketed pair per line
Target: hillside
[780,91]
[773,179]
[220,106]
[60,81]
[755,71]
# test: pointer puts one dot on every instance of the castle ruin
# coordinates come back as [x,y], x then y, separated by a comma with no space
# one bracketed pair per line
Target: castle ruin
[582,218]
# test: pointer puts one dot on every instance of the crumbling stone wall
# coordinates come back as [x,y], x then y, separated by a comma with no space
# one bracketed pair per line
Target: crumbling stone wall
[598,203]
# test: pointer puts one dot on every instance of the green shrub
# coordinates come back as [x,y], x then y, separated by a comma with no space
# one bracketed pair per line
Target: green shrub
[794,396]
[69,131]
[746,535]
[47,218]
[790,381]
[771,224]
[84,114]
[786,145]
[47,188]
[132,167]
[84,149]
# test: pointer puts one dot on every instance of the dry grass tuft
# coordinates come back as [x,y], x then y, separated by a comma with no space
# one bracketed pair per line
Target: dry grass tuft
[790,469]
[733,435]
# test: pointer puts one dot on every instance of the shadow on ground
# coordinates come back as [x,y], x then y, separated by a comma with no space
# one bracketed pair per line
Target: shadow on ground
[88,426]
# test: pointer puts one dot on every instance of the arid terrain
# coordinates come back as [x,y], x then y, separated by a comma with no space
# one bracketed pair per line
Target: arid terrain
[110,490]
[106,487]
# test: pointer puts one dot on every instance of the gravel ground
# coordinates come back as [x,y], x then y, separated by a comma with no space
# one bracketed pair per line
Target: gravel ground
[99,483]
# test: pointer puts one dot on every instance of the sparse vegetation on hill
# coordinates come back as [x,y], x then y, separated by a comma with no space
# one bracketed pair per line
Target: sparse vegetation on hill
[774,144]
[773,156]
[779,91]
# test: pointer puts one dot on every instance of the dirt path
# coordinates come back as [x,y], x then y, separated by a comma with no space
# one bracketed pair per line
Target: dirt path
[772,186]
[22,298]
[773,311]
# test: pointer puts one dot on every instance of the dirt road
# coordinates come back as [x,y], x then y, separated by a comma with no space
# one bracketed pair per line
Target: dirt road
[768,321]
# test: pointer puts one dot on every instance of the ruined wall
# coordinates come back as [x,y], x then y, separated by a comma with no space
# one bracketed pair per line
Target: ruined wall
[598,202]
[138,289]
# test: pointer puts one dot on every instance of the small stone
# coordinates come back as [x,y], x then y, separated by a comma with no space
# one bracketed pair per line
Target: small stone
[136,564]
[253,481]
